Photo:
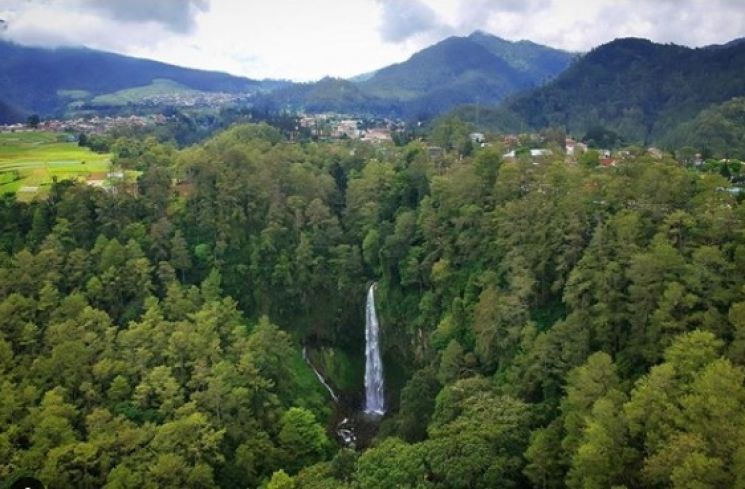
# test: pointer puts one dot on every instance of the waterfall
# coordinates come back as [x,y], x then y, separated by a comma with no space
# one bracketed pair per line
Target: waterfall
[319,376]
[374,400]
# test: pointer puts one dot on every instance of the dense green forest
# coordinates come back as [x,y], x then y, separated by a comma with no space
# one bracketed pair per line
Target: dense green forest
[717,131]
[544,326]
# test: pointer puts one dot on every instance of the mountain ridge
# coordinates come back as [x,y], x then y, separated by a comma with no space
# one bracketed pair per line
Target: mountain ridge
[456,70]
[635,87]
[33,77]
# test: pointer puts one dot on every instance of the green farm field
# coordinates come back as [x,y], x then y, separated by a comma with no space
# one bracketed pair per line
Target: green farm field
[30,161]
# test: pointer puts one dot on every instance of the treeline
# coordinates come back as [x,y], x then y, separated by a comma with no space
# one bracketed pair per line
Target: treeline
[544,326]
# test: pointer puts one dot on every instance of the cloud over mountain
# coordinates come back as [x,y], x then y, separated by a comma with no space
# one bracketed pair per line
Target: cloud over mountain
[310,39]
[175,15]
[402,20]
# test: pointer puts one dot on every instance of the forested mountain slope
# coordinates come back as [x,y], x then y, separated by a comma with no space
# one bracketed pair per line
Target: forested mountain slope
[326,95]
[635,87]
[10,114]
[718,131]
[40,80]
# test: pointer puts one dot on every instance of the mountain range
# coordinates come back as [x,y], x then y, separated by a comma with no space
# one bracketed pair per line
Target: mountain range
[457,70]
[643,91]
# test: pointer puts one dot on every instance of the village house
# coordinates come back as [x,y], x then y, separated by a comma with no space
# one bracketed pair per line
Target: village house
[477,137]
[535,154]
[377,135]
[569,146]
[574,148]
[655,153]
[510,140]
[347,128]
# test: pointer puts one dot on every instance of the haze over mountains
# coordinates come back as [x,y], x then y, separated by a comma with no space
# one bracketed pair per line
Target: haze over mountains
[455,71]
[639,89]
[44,81]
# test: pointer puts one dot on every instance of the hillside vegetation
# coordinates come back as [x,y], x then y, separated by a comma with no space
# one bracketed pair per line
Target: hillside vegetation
[717,131]
[40,80]
[552,325]
[637,88]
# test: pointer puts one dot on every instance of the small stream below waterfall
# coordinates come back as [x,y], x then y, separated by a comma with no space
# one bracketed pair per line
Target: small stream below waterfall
[320,377]
[343,423]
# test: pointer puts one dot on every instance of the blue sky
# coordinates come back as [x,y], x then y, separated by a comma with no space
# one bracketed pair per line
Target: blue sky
[308,39]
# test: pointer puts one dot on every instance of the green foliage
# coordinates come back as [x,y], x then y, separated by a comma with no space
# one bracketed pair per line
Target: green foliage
[716,131]
[689,413]
[303,440]
[417,404]
[590,159]
[639,90]
[280,480]
[393,464]
[451,133]
[497,119]
[601,138]
[550,325]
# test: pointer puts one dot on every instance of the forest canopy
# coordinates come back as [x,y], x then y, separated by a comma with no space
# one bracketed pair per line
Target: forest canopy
[544,325]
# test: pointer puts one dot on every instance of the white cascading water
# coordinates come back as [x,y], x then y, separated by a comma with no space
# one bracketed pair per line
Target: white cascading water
[374,400]
[320,377]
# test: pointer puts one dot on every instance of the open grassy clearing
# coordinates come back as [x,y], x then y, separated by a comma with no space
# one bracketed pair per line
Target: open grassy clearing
[159,87]
[30,161]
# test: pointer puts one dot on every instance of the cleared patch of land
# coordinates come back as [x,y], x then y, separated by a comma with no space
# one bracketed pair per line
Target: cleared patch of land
[158,88]
[30,161]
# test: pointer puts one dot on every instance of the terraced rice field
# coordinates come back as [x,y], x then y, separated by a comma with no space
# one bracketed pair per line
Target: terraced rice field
[30,161]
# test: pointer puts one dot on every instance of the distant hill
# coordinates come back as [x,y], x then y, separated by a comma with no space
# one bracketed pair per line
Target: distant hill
[730,44]
[326,95]
[540,63]
[44,81]
[717,131]
[454,61]
[636,88]
[490,118]
[458,70]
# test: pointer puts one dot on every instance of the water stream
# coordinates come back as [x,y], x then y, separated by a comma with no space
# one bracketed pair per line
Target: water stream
[320,377]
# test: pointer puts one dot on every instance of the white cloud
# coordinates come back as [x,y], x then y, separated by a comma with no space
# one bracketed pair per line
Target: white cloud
[303,39]
[175,15]
[403,20]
